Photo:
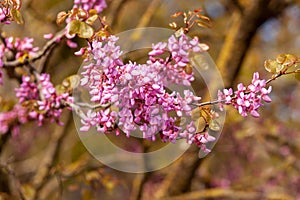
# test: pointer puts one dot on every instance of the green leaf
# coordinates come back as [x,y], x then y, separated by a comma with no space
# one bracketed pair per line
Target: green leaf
[286,59]
[273,66]
[92,19]
[16,15]
[82,29]
[85,31]
[74,27]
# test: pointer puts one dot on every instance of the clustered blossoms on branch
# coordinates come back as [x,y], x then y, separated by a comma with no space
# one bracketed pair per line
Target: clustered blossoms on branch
[127,96]
[38,100]
[138,91]
[247,99]
[16,48]
[43,98]
[11,120]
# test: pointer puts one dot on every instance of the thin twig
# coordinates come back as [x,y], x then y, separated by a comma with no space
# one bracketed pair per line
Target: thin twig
[87,105]
[76,108]
[279,75]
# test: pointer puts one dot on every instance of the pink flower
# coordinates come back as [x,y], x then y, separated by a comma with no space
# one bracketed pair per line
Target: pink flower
[247,99]
[139,92]
[11,120]
[20,47]
[98,5]
[47,103]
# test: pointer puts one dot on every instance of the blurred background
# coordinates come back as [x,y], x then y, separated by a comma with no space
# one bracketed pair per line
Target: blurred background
[253,159]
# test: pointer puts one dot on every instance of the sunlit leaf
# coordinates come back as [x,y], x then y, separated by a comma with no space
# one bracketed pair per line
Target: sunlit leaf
[82,29]
[85,31]
[214,125]
[286,59]
[91,19]
[200,124]
[16,15]
[71,82]
[281,58]
[61,16]
[273,66]
[74,27]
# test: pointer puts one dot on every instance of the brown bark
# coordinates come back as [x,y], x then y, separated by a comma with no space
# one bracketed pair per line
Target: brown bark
[243,27]
[178,180]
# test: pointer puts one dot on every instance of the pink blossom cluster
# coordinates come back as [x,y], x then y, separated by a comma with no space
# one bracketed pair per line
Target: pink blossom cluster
[18,47]
[174,66]
[98,5]
[247,99]
[42,98]
[11,120]
[138,91]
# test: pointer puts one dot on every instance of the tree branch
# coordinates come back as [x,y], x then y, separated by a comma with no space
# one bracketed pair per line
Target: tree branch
[237,42]
[47,47]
